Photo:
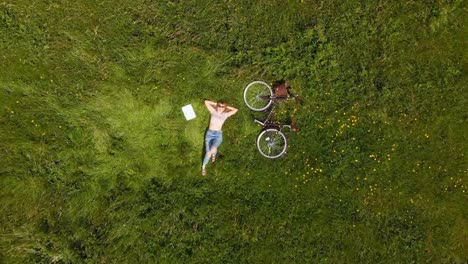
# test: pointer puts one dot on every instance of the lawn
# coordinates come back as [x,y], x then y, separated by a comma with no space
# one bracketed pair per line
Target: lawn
[99,165]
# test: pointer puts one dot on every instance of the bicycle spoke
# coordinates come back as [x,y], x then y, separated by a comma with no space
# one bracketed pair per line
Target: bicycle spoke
[258,95]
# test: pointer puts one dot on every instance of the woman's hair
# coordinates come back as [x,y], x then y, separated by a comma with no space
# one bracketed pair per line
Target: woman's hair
[221,102]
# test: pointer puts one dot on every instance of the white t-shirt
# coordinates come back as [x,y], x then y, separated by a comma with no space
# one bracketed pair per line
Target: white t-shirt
[217,120]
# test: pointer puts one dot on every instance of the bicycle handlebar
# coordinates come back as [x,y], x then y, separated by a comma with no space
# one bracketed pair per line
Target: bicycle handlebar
[260,122]
[291,127]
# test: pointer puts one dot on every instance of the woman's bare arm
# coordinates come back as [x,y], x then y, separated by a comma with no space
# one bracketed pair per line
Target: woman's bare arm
[232,110]
[210,105]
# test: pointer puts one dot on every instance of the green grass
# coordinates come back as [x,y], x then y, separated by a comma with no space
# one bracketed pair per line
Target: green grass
[98,164]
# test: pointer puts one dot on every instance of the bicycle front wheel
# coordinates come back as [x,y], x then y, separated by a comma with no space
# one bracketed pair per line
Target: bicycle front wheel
[257,95]
[272,143]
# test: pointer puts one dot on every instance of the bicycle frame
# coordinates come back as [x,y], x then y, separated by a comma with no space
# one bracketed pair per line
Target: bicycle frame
[268,121]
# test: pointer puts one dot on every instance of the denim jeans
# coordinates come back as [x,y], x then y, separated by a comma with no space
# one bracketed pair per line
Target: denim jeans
[213,138]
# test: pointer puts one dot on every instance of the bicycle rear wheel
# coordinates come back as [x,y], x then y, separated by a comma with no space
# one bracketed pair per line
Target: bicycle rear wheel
[272,143]
[257,95]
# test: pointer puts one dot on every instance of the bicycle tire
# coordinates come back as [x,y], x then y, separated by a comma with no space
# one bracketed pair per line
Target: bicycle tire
[272,143]
[257,96]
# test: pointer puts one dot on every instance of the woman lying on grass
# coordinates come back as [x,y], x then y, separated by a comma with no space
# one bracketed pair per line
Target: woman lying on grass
[214,136]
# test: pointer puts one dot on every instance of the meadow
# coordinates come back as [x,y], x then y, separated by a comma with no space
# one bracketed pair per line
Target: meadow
[99,165]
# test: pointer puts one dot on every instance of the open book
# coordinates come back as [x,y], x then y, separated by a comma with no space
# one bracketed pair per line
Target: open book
[188,112]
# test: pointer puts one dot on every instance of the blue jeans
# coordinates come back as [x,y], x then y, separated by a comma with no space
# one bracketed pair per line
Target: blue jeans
[213,139]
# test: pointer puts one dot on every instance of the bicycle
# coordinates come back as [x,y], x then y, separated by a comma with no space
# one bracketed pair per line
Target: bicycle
[259,96]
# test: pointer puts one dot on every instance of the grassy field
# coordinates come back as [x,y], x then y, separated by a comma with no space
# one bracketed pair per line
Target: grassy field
[98,164]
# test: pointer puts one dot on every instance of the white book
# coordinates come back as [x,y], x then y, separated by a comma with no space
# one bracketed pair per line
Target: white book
[188,112]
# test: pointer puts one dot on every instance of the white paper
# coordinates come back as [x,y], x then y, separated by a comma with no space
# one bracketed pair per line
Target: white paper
[188,112]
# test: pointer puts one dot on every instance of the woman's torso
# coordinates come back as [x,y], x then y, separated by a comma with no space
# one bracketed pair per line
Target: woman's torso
[217,120]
